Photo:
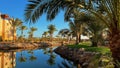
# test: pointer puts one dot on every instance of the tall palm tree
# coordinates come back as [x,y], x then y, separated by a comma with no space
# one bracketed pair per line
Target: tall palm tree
[36,8]
[76,25]
[15,23]
[51,30]
[108,11]
[109,14]
[96,29]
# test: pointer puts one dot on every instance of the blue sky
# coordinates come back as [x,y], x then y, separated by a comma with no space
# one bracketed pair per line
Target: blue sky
[15,8]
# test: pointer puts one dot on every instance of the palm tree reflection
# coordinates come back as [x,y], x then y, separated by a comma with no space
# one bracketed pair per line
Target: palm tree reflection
[22,58]
[52,56]
[32,57]
[66,64]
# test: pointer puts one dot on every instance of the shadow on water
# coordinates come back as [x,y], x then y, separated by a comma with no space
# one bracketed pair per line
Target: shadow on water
[38,58]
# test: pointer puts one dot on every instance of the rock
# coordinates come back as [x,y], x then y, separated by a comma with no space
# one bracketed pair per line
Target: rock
[79,56]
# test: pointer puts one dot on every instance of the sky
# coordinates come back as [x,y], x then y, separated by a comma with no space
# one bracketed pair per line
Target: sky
[15,9]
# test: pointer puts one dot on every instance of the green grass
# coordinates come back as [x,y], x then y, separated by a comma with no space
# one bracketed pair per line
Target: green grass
[101,49]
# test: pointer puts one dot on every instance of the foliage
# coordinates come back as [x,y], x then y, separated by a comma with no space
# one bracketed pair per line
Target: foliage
[104,61]
[51,30]
[45,34]
[32,30]
[22,28]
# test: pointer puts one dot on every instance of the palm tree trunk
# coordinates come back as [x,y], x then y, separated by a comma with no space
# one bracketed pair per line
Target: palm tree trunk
[94,44]
[115,44]
[77,38]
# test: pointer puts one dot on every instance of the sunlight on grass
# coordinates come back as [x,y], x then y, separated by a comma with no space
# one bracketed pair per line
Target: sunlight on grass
[101,49]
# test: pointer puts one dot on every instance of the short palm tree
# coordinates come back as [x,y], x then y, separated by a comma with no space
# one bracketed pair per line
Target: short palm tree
[51,30]
[45,33]
[31,32]
[22,28]
[33,29]
[65,33]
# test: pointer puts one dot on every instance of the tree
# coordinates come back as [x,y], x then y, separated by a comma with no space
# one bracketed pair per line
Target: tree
[65,33]
[96,29]
[32,29]
[77,25]
[15,23]
[106,10]
[51,30]
[45,34]
[22,28]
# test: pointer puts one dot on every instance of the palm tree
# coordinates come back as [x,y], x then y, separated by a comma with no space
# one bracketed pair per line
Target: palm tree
[51,30]
[96,29]
[22,28]
[65,33]
[36,8]
[93,27]
[45,33]
[15,23]
[106,10]
[33,29]
[29,34]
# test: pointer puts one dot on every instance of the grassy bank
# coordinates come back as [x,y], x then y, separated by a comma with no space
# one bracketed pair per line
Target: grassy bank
[87,47]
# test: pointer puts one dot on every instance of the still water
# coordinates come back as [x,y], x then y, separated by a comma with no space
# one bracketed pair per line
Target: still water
[38,58]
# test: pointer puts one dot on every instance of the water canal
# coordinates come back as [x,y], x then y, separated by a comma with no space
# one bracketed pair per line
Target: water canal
[38,58]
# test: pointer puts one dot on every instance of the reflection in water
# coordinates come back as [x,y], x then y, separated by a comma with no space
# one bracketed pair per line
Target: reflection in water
[39,58]
[32,57]
[7,59]
[22,58]
[65,64]
[52,56]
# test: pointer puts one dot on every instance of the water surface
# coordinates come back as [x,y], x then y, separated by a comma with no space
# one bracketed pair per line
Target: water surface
[38,58]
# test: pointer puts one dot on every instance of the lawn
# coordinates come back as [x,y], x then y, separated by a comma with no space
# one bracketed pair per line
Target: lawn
[86,45]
